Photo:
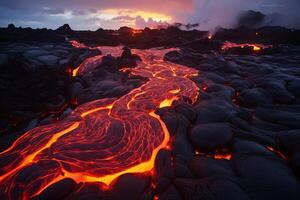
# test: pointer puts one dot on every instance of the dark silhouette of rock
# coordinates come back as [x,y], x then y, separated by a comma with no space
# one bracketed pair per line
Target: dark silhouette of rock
[128,59]
[126,53]
[11,27]
[65,29]
[125,32]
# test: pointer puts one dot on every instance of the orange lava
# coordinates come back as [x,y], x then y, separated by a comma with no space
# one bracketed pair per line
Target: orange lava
[256,47]
[217,156]
[223,156]
[102,139]
[75,72]
[93,62]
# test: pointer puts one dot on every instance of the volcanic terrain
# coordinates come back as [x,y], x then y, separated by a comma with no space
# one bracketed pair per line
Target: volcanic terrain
[149,114]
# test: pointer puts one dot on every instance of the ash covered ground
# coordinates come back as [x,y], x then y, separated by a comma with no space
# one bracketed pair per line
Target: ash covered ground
[239,140]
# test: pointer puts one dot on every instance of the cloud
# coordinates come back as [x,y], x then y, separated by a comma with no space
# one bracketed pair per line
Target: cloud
[142,23]
[212,13]
[125,18]
[79,12]
[53,11]
[115,13]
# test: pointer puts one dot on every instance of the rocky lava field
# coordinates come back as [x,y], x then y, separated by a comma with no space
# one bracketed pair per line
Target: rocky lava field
[149,114]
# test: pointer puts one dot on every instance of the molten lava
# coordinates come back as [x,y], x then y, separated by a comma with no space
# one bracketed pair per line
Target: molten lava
[102,139]
[223,156]
[256,47]
[93,62]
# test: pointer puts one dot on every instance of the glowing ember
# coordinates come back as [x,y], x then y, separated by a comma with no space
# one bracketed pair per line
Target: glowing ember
[277,152]
[223,156]
[79,45]
[75,71]
[102,139]
[256,47]
[216,155]
[210,35]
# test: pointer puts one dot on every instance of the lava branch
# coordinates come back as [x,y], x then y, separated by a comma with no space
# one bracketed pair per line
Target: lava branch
[255,47]
[102,139]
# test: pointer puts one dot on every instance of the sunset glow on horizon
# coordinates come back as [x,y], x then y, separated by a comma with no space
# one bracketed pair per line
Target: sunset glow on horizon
[135,18]
[113,14]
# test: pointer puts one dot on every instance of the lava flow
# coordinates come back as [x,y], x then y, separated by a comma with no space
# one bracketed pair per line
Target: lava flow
[92,62]
[255,47]
[102,139]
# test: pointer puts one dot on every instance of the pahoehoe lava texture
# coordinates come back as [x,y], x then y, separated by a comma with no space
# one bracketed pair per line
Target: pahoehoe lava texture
[102,139]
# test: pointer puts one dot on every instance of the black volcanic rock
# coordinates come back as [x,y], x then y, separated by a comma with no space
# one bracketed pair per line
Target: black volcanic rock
[268,34]
[289,140]
[59,190]
[11,27]
[129,186]
[266,176]
[254,97]
[239,140]
[128,59]
[210,188]
[34,81]
[170,193]
[125,31]
[211,136]
[12,34]
[202,167]
[65,29]
[126,53]
[100,30]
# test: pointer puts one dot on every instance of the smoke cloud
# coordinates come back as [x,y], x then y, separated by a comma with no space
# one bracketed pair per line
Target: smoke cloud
[212,13]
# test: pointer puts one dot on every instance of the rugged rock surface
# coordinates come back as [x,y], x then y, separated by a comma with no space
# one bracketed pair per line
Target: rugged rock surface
[254,96]
[36,82]
[240,140]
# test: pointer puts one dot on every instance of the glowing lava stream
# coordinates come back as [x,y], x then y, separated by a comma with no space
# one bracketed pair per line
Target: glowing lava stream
[102,139]
[256,47]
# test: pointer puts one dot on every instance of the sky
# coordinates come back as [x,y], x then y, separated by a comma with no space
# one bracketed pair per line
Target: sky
[112,14]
